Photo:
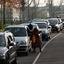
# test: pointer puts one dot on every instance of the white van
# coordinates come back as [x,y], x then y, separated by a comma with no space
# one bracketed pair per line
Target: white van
[21,37]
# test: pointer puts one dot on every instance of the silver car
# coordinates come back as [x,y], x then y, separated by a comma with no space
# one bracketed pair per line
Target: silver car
[54,22]
[45,29]
[21,37]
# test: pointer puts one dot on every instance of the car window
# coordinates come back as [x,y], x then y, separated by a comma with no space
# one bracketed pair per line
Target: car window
[62,20]
[2,41]
[53,21]
[41,25]
[17,31]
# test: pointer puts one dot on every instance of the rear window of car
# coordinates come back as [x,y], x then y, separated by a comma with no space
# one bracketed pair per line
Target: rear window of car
[17,31]
[41,25]
[53,21]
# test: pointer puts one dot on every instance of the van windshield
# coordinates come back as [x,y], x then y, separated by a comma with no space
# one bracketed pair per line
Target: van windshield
[17,31]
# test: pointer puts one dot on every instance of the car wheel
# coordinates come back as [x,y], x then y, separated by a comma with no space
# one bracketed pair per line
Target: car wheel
[57,31]
[7,60]
[15,61]
[30,50]
[27,52]
[47,39]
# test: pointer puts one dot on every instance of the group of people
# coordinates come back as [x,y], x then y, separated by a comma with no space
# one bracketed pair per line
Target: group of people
[34,37]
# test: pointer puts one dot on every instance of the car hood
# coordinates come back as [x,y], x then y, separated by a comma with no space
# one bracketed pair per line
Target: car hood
[19,39]
[44,29]
[53,24]
[3,49]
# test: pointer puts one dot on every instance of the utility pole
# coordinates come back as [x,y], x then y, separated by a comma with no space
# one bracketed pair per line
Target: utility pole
[4,12]
[50,8]
[23,9]
[28,11]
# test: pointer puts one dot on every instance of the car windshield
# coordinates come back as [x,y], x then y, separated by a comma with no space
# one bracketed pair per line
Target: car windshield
[41,25]
[53,21]
[2,41]
[34,26]
[17,31]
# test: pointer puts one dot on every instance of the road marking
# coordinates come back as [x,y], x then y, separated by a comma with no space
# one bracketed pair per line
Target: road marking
[44,47]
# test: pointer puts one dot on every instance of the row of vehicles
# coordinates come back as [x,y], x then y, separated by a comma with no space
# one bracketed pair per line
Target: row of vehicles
[21,40]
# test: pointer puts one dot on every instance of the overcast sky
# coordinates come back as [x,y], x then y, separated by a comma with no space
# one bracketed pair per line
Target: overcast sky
[42,2]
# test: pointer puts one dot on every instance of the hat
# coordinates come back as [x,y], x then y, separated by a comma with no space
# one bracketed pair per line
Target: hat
[30,26]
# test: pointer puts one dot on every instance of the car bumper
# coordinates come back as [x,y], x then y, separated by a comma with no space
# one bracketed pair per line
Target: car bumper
[2,61]
[63,24]
[54,28]
[45,35]
[22,49]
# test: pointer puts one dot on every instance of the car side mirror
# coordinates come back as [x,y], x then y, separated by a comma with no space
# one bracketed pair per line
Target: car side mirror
[48,27]
[59,23]
[11,44]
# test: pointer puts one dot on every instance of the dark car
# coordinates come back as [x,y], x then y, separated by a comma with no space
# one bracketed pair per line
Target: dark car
[8,48]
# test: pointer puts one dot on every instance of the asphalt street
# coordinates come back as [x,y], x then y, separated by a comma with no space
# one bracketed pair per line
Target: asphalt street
[52,52]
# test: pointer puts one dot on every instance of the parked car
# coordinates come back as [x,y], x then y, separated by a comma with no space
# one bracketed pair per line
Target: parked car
[62,21]
[8,48]
[37,20]
[21,37]
[48,23]
[61,24]
[45,30]
[54,22]
[50,27]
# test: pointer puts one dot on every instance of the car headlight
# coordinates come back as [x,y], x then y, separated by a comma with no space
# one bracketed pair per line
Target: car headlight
[45,31]
[56,25]
[2,55]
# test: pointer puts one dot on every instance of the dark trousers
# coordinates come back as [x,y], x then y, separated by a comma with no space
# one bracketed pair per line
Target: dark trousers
[34,47]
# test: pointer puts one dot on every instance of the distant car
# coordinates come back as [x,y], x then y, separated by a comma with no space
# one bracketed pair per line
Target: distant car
[61,24]
[50,27]
[62,21]
[37,20]
[54,22]
[8,48]
[48,23]
[21,37]
[45,30]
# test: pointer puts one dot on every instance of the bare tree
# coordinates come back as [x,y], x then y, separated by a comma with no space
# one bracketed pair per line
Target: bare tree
[32,8]
[53,10]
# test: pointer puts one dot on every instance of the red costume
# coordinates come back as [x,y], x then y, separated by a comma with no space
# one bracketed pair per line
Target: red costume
[37,38]
[36,42]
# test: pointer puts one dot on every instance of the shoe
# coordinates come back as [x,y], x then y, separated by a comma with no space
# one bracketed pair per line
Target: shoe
[34,51]
[40,51]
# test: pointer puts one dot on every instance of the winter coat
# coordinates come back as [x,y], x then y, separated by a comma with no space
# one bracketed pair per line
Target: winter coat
[37,39]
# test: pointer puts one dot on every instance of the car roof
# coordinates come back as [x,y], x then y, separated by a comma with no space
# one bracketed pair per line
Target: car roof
[27,24]
[39,22]
[53,19]
[1,33]
[14,26]
[5,32]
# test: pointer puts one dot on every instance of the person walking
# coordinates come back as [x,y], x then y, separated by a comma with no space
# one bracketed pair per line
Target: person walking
[34,36]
